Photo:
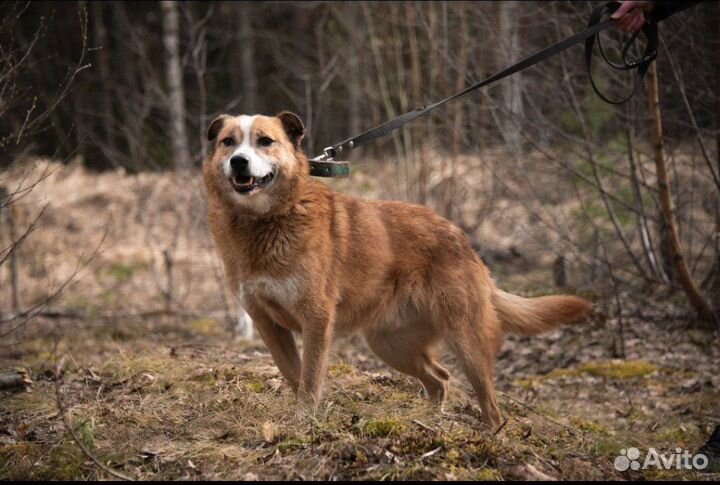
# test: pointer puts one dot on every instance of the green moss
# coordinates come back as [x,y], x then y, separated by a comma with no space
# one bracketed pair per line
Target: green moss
[453,455]
[206,326]
[611,446]
[255,386]
[588,426]
[293,443]
[341,369]
[488,475]
[382,428]
[526,384]
[614,369]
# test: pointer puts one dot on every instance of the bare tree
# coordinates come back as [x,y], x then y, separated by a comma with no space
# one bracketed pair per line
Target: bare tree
[19,182]
[246,44]
[103,63]
[698,301]
[174,77]
[509,34]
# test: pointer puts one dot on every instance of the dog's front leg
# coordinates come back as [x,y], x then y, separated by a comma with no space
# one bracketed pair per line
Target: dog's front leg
[281,344]
[317,338]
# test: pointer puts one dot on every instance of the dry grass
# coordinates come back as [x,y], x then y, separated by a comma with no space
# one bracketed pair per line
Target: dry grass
[160,401]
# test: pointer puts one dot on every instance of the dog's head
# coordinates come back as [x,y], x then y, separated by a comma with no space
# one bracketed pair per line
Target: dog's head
[256,162]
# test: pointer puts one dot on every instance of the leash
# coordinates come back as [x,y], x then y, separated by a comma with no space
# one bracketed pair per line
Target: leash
[325,165]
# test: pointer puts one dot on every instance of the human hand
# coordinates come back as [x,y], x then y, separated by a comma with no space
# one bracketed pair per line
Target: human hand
[630,15]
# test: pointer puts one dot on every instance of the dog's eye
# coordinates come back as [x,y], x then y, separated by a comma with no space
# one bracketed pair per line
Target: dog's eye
[228,142]
[264,141]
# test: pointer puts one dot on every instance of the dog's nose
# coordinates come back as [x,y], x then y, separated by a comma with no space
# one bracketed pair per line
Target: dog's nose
[239,163]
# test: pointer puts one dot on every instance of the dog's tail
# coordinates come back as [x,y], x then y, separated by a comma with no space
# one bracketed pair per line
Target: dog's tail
[532,316]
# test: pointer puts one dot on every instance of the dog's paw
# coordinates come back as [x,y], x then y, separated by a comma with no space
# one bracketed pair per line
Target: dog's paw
[303,413]
[306,407]
[306,414]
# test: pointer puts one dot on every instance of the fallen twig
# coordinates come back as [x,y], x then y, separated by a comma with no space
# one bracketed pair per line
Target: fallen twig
[500,428]
[424,426]
[71,430]
[569,428]
[57,314]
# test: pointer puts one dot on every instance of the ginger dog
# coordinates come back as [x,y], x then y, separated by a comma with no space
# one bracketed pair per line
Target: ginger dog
[303,258]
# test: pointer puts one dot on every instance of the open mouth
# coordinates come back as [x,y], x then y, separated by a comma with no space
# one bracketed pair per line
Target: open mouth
[245,184]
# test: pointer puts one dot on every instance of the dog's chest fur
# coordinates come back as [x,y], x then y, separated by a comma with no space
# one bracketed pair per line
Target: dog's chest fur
[282,290]
[263,257]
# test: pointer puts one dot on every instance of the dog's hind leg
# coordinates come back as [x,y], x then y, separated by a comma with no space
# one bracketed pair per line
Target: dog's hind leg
[475,351]
[413,356]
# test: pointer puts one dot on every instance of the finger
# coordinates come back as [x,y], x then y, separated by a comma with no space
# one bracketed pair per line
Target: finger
[637,23]
[624,8]
[632,21]
[624,23]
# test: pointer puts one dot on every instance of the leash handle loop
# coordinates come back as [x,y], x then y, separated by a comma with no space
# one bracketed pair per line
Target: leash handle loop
[649,30]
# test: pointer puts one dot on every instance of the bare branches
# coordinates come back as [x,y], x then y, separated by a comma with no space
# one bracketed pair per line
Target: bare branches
[691,116]
[11,324]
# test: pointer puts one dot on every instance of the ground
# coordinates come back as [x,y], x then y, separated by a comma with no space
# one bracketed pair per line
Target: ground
[169,398]
[172,395]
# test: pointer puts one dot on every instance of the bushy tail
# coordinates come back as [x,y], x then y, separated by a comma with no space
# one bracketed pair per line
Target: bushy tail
[531,316]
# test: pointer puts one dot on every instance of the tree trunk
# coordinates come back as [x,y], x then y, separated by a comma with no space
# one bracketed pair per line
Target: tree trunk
[416,87]
[457,134]
[247,58]
[355,82]
[696,299]
[8,218]
[103,57]
[176,92]
[716,285]
[512,87]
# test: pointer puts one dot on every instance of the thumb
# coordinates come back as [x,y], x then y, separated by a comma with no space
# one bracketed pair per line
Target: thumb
[625,7]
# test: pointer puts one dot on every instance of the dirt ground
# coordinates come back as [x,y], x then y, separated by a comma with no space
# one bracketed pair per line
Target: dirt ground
[172,395]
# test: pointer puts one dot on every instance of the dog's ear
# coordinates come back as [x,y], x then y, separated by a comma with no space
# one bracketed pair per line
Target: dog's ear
[293,126]
[216,126]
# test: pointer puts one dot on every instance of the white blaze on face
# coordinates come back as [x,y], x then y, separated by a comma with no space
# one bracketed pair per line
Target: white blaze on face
[259,165]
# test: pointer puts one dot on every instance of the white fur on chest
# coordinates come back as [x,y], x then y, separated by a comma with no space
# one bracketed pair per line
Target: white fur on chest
[282,290]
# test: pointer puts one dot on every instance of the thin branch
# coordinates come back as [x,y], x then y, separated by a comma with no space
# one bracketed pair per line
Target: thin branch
[66,421]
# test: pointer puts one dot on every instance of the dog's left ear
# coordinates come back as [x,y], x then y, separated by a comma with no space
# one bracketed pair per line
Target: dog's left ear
[293,126]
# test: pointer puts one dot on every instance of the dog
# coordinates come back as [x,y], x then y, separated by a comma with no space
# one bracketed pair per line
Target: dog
[305,259]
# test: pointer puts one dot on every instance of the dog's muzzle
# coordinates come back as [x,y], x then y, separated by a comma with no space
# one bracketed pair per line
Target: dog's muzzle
[242,180]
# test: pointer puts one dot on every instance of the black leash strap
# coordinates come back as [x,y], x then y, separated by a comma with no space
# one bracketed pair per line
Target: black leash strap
[325,164]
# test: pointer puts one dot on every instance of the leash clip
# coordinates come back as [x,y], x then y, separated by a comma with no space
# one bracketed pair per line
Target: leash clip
[328,155]
[325,165]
